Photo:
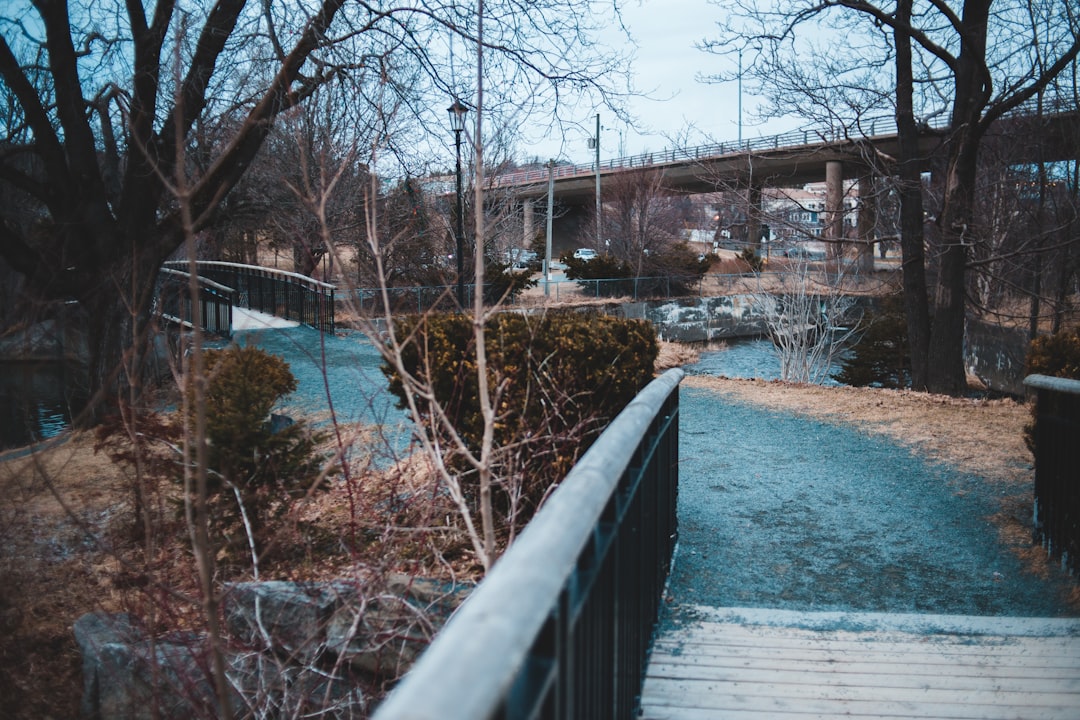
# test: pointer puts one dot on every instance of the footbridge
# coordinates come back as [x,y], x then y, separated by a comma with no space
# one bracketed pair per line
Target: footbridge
[224,286]
[565,626]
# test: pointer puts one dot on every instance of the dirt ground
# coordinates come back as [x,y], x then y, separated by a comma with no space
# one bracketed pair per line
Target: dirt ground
[58,505]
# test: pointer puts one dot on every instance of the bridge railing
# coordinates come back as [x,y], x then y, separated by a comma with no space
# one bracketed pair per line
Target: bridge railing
[1057,455]
[215,302]
[285,294]
[562,626]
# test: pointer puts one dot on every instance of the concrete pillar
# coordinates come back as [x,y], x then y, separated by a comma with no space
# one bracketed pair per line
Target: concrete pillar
[834,208]
[753,218]
[867,223]
[529,233]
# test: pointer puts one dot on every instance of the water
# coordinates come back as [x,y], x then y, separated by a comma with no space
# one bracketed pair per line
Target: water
[342,371]
[744,359]
[37,401]
[339,371]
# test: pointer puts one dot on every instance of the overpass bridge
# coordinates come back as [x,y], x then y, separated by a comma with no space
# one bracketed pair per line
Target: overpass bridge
[797,158]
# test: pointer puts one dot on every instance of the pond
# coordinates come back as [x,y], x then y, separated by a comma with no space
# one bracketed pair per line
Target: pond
[37,401]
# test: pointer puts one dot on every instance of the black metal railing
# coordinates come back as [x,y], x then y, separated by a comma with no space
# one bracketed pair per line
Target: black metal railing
[285,294]
[1057,457]
[562,625]
[215,302]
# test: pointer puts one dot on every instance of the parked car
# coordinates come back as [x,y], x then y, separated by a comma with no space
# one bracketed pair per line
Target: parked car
[521,259]
[584,254]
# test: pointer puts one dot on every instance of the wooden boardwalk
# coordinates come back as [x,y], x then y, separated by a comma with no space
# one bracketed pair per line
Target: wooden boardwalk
[736,664]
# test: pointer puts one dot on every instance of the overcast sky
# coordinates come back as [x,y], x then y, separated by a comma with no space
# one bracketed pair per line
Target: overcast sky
[667,69]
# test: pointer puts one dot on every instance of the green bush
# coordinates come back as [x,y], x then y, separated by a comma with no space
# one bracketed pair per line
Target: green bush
[1057,355]
[602,276]
[751,258]
[503,284]
[559,378]
[269,465]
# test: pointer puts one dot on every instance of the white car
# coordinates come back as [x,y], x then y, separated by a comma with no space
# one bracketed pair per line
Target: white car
[584,254]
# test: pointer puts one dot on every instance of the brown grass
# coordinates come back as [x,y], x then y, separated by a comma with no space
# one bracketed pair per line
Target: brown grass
[69,548]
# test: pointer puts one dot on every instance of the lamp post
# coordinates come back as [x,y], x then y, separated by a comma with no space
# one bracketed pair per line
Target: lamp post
[457,124]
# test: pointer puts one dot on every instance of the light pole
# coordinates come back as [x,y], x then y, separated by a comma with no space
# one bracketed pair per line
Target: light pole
[457,124]
[740,98]
[594,143]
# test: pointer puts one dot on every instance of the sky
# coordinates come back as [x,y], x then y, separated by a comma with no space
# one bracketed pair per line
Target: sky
[667,70]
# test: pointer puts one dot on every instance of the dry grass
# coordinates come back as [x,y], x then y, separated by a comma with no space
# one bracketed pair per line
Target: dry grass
[982,437]
[69,549]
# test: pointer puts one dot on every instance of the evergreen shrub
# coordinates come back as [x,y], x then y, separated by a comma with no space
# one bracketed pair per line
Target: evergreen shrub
[558,378]
[270,463]
[1056,355]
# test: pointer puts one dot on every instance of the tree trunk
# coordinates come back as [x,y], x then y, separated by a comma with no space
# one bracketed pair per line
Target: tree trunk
[916,303]
[956,220]
[118,310]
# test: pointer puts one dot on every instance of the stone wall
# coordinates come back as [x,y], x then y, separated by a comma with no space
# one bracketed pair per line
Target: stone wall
[699,320]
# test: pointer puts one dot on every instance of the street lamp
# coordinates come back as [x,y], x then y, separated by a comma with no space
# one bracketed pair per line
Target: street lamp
[457,124]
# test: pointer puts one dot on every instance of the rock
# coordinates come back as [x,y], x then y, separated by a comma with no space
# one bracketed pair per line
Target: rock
[297,649]
[93,633]
[277,689]
[286,618]
[128,677]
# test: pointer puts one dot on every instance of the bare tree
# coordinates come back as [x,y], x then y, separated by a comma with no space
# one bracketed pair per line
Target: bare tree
[972,66]
[103,217]
[810,322]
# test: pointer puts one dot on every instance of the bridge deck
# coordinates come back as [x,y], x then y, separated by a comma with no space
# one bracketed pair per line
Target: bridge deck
[741,664]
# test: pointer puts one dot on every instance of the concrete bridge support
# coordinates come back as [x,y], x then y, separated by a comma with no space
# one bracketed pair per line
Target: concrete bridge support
[867,223]
[833,234]
[529,231]
[753,217]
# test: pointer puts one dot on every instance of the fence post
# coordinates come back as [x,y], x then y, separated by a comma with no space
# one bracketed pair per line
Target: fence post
[1057,486]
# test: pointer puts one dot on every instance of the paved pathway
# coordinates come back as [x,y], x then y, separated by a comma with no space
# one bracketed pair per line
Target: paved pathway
[823,573]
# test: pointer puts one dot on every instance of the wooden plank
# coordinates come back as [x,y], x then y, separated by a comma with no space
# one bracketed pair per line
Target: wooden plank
[662,700]
[732,670]
[900,677]
[703,692]
[871,655]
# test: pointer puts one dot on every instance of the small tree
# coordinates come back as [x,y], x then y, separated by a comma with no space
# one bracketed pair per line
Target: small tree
[260,462]
[809,322]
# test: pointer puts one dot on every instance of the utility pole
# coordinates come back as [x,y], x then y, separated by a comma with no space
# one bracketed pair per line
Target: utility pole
[550,212]
[595,143]
[740,98]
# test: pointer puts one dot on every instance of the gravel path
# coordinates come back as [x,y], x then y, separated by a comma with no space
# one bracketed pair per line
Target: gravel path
[784,512]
